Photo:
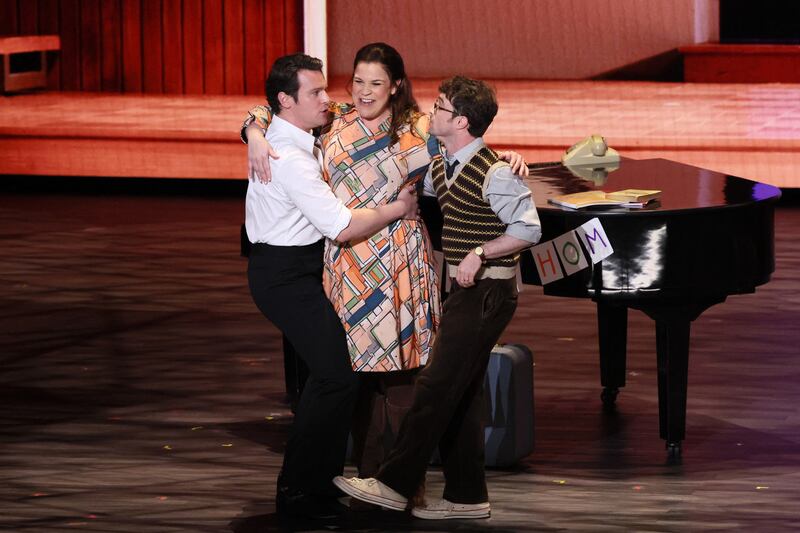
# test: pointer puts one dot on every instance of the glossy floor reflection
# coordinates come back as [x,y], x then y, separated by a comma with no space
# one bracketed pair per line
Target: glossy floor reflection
[142,390]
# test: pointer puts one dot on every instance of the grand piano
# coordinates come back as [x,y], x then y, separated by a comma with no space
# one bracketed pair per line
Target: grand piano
[709,236]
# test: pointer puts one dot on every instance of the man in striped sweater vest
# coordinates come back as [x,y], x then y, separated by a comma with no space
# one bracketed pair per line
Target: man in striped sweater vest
[489,217]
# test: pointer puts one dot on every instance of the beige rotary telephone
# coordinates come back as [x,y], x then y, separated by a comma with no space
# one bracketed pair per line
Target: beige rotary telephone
[592,151]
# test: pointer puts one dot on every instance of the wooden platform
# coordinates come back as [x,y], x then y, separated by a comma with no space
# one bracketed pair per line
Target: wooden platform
[142,390]
[741,63]
[749,130]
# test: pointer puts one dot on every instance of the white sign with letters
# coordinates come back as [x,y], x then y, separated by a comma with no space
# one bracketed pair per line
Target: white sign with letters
[564,255]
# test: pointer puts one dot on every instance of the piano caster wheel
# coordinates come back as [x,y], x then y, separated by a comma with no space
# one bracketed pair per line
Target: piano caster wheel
[673,450]
[609,397]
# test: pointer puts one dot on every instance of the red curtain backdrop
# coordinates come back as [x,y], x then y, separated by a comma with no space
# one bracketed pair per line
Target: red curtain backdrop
[160,46]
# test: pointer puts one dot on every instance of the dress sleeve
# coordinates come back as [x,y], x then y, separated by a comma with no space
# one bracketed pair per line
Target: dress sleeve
[432,143]
[336,110]
[418,162]
[261,115]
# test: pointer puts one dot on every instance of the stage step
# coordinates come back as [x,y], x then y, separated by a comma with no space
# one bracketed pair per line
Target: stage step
[741,63]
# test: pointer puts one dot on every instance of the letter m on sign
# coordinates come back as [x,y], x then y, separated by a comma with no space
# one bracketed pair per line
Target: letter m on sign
[594,237]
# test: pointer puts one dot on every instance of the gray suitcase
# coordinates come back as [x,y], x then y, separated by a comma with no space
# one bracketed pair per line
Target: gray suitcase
[508,393]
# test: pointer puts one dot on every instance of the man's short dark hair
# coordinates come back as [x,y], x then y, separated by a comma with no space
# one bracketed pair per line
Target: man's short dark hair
[473,99]
[283,77]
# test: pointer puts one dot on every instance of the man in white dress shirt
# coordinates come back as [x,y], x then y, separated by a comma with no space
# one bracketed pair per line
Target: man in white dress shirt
[287,221]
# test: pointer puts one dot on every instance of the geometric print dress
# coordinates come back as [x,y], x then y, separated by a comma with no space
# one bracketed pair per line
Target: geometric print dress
[384,288]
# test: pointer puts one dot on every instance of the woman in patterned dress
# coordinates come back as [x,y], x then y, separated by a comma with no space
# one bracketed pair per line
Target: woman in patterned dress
[385,288]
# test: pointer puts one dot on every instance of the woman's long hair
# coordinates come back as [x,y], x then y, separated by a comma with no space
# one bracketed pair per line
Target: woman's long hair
[403,106]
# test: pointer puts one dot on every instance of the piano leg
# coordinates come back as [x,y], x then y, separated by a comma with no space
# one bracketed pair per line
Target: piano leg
[673,325]
[612,332]
[672,352]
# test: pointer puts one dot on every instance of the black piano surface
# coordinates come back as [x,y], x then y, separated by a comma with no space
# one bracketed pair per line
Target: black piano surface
[710,235]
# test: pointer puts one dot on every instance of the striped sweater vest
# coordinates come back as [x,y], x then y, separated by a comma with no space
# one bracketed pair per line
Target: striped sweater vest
[468,219]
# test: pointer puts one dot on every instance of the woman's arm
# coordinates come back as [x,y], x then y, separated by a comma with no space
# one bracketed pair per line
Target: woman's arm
[253,132]
[259,151]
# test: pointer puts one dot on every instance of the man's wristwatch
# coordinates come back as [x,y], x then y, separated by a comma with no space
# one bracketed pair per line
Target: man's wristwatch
[479,252]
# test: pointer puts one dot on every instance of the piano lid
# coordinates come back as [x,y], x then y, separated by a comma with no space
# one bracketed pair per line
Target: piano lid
[683,187]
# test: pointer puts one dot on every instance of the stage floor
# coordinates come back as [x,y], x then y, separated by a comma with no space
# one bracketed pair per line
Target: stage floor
[142,390]
[748,130]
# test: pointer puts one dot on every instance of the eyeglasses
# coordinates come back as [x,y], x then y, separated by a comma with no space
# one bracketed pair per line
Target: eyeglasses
[437,107]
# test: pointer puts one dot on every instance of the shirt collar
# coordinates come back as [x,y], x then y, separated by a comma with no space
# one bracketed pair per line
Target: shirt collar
[301,137]
[465,153]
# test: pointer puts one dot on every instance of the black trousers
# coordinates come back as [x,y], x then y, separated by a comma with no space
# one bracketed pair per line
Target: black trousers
[286,285]
[384,398]
[447,407]
[295,374]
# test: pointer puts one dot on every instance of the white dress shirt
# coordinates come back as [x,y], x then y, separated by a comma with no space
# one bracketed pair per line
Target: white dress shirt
[297,207]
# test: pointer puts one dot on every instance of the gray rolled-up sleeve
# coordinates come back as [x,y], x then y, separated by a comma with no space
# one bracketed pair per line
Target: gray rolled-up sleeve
[512,202]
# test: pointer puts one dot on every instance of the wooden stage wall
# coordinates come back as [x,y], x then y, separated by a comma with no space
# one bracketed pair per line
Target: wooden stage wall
[160,46]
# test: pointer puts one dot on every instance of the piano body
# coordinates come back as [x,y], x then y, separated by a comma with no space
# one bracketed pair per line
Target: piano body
[709,236]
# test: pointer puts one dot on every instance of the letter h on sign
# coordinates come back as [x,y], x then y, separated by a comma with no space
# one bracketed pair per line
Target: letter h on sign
[544,255]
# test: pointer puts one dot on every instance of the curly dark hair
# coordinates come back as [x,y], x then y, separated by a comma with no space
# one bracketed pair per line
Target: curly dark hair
[473,99]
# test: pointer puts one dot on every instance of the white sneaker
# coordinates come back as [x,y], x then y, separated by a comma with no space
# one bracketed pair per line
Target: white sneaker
[444,509]
[372,491]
